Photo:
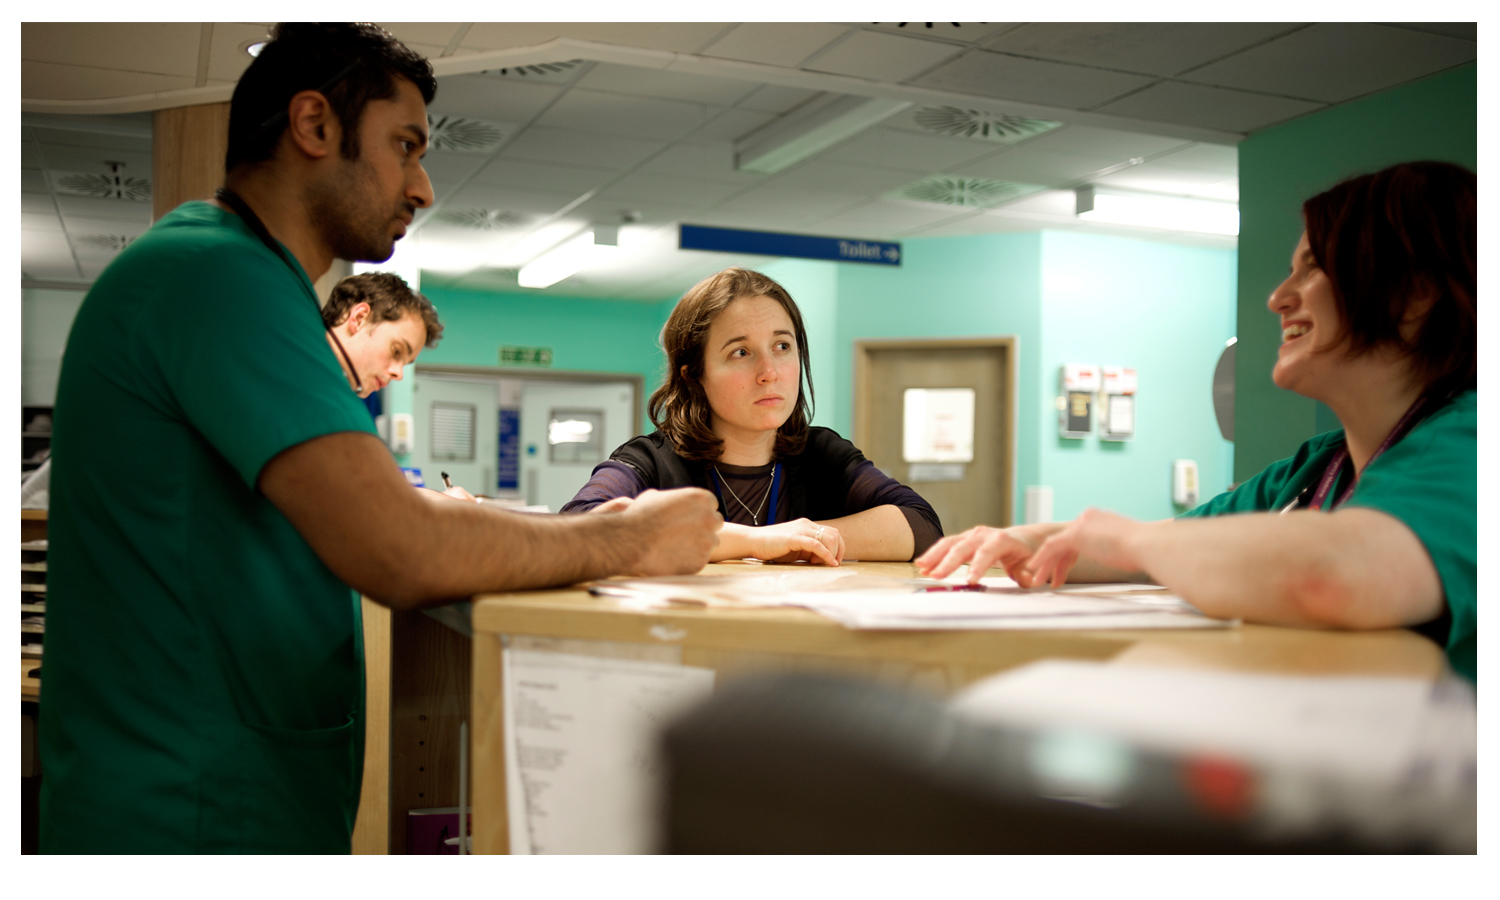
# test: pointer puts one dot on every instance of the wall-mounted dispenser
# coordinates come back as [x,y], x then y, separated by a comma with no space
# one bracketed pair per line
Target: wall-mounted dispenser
[1075,408]
[1117,404]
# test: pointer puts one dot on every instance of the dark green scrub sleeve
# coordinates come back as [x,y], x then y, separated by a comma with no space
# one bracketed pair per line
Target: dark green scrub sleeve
[268,379]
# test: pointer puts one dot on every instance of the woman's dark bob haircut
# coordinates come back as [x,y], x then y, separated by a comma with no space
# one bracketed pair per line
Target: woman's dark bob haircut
[1393,243]
[679,409]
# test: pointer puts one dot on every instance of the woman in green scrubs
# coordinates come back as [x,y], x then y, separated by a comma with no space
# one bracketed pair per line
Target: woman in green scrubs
[1370,526]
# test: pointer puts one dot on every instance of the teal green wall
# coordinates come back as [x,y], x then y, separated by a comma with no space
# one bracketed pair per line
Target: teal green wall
[585,335]
[1436,118]
[979,285]
[1162,309]
[815,288]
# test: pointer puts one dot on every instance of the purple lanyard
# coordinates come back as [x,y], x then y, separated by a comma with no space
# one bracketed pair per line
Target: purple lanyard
[1336,465]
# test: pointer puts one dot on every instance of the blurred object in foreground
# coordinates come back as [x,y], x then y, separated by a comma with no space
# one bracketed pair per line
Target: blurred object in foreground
[816,764]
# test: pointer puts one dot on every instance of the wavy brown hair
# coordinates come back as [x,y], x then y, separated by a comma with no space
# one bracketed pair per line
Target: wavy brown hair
[679,408]
[1402,236]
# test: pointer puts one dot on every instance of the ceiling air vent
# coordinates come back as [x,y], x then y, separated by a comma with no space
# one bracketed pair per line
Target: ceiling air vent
[106,241]
[482,219]
[979,125]
[951,190]
[555,72]
[113,186]
[463,134]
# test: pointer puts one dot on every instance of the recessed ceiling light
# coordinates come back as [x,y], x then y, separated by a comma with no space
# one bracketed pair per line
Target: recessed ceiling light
[255,48]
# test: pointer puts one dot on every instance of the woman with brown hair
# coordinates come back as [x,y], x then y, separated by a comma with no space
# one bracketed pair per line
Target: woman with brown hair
[732,416]
[1370,526]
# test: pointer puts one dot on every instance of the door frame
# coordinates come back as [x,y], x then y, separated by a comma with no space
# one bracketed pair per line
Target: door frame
[489,373]
[1007,343]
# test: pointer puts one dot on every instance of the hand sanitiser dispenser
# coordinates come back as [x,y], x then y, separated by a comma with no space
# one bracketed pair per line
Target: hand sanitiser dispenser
[1185,482]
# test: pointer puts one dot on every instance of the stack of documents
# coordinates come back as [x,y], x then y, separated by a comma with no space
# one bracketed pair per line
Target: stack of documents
[864,601]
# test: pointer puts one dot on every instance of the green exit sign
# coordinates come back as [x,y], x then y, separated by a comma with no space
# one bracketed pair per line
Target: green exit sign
[525,356]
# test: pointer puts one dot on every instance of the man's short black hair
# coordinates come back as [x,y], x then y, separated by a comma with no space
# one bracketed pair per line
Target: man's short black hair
[351,63]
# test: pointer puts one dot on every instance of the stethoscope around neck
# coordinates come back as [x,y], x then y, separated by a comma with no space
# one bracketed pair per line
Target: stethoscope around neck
[237,203]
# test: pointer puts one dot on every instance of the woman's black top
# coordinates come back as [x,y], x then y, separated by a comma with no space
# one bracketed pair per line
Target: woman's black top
[829,479]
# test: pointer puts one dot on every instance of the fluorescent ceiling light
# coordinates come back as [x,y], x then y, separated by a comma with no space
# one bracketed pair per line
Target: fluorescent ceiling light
[255,48]
[811,129]
[562,261]
[1158,211]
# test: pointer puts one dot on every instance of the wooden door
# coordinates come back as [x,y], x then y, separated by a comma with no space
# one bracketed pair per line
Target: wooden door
[883,371]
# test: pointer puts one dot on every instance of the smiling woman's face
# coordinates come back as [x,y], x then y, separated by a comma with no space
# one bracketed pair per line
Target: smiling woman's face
[1311,327]
[750,368]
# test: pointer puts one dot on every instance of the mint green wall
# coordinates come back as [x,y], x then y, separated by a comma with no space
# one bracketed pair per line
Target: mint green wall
[1436,118]
[585,335]
[1162,309]
[980,285]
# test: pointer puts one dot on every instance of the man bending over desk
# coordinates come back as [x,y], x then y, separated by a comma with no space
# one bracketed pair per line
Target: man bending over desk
[218,486]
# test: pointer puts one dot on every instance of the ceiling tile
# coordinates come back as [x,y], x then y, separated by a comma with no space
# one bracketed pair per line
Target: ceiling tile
[557,145]
[227,61]
[1031,80]
[884,57]
[124,210]
[532,202]
[446,165]
[773,98]
[665,84]
[1108,143]
[44,245]
[618,114]
[844,178]
[730,125]
[1208,107]
[1153,48]
[965,32]
[1037,164]
[115,45]
[82,224]
[882,219]
[1208,157]
[987,223]
[1469,31]
[542,176]
[438,33]
[1333,62]
[40,221]
[642,186]
[29,159]
[492,97]
[1050,203]
[50,81]
[714,162]
[56,158]
[34,180]
[775,43]
[895,149]
[70,138]
[683,37]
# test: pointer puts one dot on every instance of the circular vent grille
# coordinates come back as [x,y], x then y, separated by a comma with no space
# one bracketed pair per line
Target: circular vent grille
[106,241]
[483,219]
[539,70]
[973,123]
[110,187]
[960,191]
[461,134]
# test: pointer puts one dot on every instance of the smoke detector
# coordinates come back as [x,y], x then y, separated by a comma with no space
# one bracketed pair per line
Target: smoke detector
[980,125]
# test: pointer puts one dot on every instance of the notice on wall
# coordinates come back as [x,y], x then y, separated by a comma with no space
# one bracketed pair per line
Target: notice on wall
[582,768]
[938,425]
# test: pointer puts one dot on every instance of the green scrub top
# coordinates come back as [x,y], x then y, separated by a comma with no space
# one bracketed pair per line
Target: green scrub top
[203,685]
[1428,480]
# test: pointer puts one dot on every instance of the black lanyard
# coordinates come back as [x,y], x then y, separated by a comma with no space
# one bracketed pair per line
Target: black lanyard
[1340,459]
[258,228]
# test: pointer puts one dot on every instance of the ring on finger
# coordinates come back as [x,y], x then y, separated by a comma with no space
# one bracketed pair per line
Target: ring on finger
[818,535]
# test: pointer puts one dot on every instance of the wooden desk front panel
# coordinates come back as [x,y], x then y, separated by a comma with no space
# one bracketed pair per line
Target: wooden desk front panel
[734,642]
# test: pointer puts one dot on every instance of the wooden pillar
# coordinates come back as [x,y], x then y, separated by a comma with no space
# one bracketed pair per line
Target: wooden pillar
[188,144]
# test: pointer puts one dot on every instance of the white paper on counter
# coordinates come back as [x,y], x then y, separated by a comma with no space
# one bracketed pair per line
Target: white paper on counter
[1365,727]
[581,762]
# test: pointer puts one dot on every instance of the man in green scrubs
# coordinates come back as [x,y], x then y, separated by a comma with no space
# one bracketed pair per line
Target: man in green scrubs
[218,488]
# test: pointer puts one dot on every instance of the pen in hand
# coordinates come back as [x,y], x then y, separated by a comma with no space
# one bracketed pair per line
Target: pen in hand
[447,482]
